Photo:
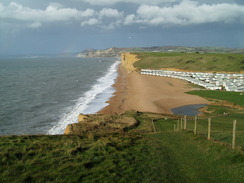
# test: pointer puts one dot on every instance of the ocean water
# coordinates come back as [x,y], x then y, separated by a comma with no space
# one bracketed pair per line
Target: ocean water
[44,95]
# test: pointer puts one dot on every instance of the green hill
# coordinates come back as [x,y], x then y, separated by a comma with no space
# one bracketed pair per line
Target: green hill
[213,62]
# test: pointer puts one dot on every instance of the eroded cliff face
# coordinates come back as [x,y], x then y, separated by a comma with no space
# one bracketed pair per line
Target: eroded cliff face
[128,60]
[101,124]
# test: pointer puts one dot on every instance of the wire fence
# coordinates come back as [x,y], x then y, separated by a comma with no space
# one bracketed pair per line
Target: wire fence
[214,128]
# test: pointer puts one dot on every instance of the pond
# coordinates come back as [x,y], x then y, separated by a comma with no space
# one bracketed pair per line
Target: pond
[189,110]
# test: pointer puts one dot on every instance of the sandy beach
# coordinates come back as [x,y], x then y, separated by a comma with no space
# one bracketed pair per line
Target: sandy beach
[149,94]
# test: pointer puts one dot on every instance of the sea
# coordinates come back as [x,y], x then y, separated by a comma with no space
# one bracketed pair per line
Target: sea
[42,95]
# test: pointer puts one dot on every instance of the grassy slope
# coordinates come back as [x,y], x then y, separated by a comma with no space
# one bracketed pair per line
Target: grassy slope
[200,160]
[135,156]
[192,61]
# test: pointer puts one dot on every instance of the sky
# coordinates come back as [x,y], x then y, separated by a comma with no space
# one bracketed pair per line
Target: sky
[61,26]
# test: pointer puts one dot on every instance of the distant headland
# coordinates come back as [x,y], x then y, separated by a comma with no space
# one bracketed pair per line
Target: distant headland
[115,52]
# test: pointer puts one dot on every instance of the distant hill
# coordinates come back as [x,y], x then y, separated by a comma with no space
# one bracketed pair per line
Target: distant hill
[115,52]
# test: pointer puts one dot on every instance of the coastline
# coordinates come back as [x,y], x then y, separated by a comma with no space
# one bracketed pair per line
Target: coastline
[146,93]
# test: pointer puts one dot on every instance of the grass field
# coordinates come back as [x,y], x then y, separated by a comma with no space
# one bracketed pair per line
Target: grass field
[234,97]
[211,62]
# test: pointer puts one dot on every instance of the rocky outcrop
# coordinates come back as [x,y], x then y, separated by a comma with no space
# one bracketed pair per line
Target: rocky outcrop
[82,117]
[101,124]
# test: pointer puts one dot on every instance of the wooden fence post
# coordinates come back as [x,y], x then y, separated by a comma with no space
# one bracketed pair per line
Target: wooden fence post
[234,135]
[185,122]
[154,128]
[178,125]
[195,126]
[181,124]
[209,128]
[174,127]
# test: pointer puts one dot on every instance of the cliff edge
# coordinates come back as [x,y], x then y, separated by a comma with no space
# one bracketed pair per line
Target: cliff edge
[98,124]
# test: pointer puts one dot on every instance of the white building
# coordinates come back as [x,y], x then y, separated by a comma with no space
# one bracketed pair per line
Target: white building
[211,81]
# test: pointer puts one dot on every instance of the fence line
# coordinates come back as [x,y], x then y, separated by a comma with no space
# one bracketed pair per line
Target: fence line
[188,118]
[179,126]
[182,124]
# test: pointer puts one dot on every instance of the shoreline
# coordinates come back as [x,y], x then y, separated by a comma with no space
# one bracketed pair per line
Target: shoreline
[148,94]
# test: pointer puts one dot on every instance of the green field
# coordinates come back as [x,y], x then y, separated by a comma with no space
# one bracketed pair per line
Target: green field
[234,97]
[212,62]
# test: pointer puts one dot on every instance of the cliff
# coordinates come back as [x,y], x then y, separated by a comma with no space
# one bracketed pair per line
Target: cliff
[128,60]
[101,124]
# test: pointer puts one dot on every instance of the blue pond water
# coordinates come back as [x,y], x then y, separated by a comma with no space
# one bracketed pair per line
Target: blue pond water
[189,110]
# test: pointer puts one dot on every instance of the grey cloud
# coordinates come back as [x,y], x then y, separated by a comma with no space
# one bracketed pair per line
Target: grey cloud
[53,12]
[113,2]
[187,12]
[111,13]
[91,22]
[107,19]
[35,25]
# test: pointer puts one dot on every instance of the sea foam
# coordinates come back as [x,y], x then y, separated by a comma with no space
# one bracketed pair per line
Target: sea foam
[90,102]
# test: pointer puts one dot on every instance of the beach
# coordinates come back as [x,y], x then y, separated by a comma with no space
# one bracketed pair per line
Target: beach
[146,93]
